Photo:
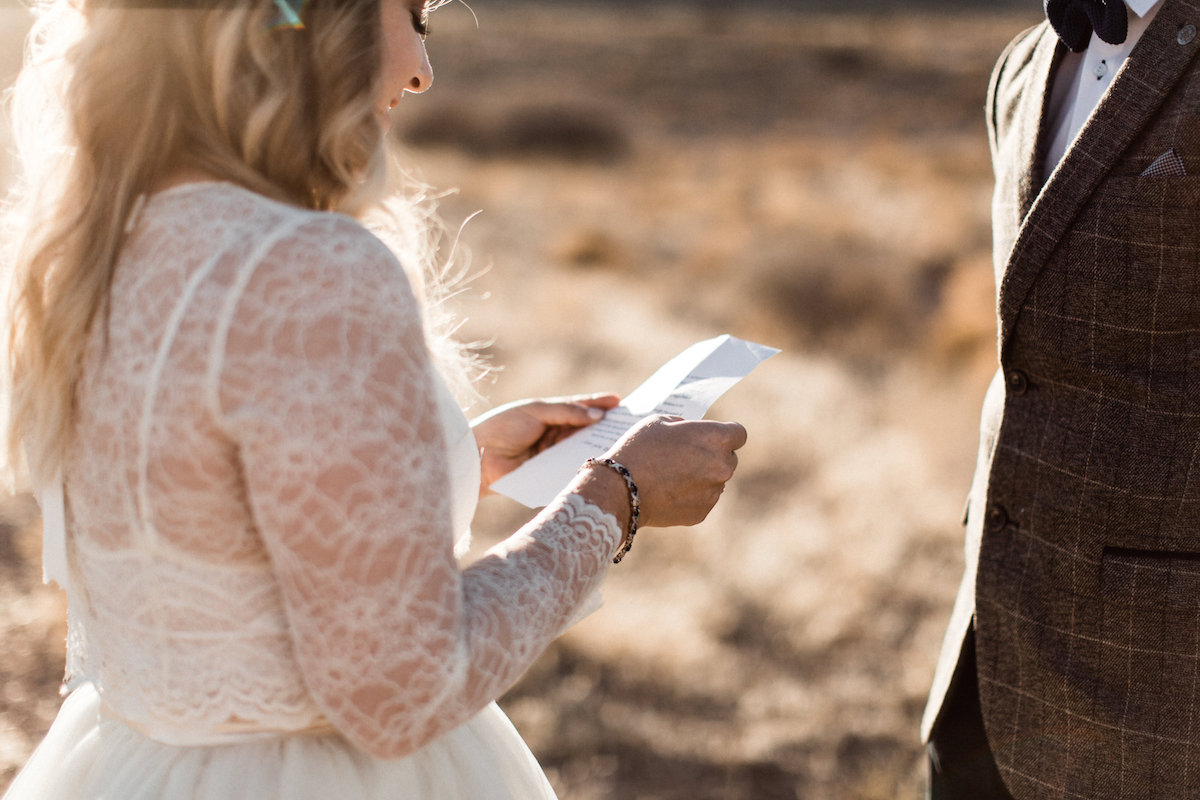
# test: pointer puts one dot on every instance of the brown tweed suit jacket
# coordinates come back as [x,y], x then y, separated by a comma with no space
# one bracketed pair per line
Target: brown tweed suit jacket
[1083,533]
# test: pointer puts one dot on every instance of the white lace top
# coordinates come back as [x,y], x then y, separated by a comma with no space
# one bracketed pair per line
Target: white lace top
[264,490]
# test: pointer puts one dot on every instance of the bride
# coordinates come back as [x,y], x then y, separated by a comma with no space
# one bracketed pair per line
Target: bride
[251,472]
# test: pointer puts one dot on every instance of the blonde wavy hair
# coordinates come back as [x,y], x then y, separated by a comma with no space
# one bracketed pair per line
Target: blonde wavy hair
[115,96]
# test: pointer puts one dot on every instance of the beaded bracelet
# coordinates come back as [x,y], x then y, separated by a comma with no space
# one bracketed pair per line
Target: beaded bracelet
[635,505]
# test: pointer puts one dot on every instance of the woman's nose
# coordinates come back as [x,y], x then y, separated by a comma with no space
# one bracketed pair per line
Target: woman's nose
[424,77]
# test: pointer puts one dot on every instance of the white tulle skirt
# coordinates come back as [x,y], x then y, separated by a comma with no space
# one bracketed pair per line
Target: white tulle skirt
[88,756]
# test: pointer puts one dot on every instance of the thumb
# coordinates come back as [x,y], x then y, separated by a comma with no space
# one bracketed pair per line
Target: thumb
[572,414]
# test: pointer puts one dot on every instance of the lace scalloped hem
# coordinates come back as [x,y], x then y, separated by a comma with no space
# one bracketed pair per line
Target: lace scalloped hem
[87,756]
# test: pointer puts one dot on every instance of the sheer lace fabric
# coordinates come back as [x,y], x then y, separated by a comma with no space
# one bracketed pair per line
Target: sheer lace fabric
[264,492]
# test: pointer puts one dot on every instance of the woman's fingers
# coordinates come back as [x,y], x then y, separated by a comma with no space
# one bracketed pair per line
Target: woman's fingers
[680,466]
[576,411]
[736,433]
[605,400]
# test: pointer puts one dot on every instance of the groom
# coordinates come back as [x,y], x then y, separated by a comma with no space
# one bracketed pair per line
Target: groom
[1071,668]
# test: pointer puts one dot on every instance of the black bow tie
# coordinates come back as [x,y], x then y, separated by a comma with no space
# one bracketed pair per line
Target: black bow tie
[1074,21]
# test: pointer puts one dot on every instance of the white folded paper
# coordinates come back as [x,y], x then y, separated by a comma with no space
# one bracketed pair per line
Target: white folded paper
[686,386]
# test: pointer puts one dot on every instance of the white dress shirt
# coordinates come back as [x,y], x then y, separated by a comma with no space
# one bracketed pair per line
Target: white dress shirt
[1083,78]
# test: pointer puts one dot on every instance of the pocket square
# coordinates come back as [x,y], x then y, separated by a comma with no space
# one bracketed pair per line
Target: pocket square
[1168,165]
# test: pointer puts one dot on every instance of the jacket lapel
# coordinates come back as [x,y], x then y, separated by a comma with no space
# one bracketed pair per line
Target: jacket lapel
[1152,69]
[1032,124]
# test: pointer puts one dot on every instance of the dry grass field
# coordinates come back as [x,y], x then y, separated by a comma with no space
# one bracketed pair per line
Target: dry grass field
[650,174]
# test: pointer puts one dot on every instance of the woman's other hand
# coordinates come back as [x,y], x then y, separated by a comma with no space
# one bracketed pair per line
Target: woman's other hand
[680,466]
[510,435]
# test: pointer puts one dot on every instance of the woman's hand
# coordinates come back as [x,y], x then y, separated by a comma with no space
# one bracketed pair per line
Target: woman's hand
[510,435]
[680,467]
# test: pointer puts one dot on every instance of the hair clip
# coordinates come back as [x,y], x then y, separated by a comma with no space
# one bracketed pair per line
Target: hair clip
[290,12]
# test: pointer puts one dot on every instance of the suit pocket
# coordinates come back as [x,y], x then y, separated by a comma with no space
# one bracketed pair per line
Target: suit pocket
[1151,599]
[1167,165]
[1145,671]
[1127,297]
[1173,197]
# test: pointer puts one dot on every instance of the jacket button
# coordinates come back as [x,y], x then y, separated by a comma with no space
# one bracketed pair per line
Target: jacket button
[1018,383]
[996,518]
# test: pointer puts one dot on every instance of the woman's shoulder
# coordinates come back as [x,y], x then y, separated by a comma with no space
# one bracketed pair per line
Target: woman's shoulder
[272,235]
[219,204]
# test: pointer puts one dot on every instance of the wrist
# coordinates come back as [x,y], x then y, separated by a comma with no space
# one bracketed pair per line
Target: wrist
[618,479]
[604,489]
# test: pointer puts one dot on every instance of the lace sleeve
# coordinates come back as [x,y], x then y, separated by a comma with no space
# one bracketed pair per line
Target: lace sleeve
[322,380]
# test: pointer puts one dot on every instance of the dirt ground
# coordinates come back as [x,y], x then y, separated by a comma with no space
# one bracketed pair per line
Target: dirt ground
[652,174]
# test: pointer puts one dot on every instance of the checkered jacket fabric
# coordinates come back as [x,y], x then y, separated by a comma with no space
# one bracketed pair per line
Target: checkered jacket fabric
[1083,532]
